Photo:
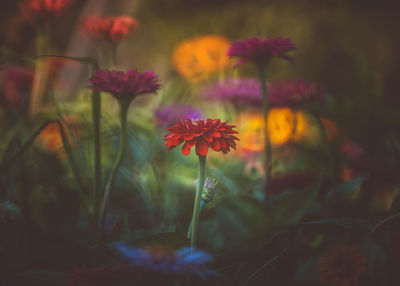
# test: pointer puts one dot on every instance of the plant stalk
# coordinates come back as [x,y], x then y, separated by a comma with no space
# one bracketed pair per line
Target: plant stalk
[267,144]
[196,208]
[123,112]
[96,113]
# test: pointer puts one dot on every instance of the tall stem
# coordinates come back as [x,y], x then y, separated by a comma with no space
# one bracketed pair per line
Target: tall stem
[202,204]
[123,112]
[96,113]
[267,144]
[41,69]
[196,208]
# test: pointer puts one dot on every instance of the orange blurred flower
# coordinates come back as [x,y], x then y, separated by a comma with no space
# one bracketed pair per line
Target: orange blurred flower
[283,125]
[251,134]
[51,138]
[111,29]
[341,265]
[280,125]
[197,58]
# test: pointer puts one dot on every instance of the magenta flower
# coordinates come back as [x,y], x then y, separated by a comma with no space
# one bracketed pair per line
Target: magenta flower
[294,92]
[260,51]
[167,114]
[125,86]
[239,91]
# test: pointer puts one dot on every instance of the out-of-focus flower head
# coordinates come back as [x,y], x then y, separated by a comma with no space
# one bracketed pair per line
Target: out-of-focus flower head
[15,85]
[281,123]
[351,150]
[125,86]
[202,134]
[241,91]
[294,92]
[251,133]
[341,265]
[43,8]
[168,114]
[199,57]
[259,51]
[51,137]
[167,261]
[111,29]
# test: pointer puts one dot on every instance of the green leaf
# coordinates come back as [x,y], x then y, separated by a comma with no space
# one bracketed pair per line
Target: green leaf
[346,189]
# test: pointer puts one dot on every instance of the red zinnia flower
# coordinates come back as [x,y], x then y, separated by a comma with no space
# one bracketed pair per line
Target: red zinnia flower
[341,265]
[260,51]
[43,7]
[112,29]
[202,134]
[125,86]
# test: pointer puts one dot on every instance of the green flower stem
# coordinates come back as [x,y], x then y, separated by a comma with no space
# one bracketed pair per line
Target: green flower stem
[123,112]
[196,208]
[202,204]
[96,113]
[325,141]
[267,147]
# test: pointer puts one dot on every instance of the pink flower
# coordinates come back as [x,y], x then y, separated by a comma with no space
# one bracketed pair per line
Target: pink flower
[241,91]
[260,51]
[294,92]
[125,86]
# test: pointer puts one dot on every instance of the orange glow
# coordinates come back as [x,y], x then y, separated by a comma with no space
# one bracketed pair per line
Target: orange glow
[197,58]
[50,137]
[280,125]
[331,129]
[302,126]
[284,125]
[251,134]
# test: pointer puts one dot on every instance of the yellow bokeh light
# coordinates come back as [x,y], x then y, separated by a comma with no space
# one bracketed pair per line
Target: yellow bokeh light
[280,125]
[251,132]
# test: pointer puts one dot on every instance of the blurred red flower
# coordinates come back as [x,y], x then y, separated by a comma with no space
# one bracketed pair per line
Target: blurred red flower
[202,134]
[351,150]
[111,29]
[260,51]
[30,8]
[341,265]
[15,85]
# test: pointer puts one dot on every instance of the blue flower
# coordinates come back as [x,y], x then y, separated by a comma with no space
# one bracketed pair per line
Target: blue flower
[167,261]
